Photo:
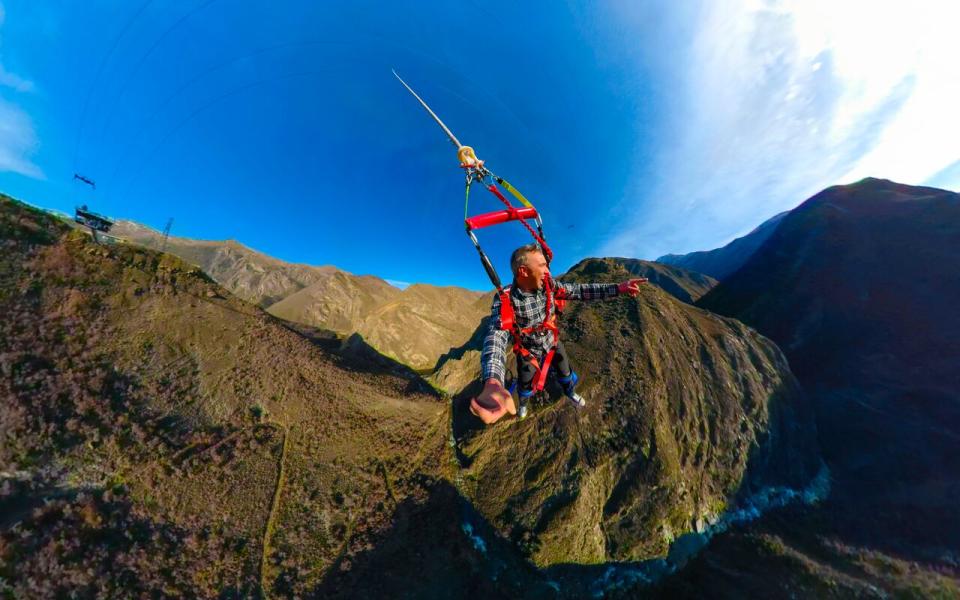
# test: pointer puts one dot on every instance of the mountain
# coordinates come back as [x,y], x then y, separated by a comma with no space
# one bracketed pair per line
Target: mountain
[721,262]
[339,301]
[680,282]
[859,286]
[250,275]
[163,437]
[414,326]
[687,414]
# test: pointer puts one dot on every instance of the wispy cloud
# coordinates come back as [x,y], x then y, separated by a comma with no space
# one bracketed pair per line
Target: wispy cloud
[947,179]
[398,284]
[784,98]
[14,81]
[18,139]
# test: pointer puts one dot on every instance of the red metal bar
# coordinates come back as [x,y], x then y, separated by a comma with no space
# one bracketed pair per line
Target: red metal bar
[501,216]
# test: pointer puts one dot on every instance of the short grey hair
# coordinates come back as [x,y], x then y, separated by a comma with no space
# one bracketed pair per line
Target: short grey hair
[519,257]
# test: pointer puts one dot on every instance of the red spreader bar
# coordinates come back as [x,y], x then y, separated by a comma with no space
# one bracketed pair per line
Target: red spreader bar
[500,216]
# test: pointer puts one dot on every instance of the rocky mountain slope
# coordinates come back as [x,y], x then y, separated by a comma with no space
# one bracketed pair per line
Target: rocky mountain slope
[163,437]
[680,282]
[248,274]
[414,326]
[721,262]
[859,286]
[687,413]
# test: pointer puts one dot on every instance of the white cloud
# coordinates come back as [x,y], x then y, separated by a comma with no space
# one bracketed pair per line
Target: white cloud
[18,140]
[398,284]
[784,98]
[14,81]
[947,179]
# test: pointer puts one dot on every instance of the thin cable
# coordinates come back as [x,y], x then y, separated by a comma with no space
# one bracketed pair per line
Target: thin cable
[190,82]
[156,44]
[96,78]
[208,105]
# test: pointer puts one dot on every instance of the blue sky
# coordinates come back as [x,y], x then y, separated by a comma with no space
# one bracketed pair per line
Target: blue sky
[637,128]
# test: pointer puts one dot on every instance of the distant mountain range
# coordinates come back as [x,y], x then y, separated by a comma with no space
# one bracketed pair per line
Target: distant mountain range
[721,262]
[416,326]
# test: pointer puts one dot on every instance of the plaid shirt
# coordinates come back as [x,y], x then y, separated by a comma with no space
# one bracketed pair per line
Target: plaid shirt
[529,310]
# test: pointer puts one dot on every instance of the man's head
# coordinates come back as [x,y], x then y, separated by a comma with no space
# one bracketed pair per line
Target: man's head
[529,267]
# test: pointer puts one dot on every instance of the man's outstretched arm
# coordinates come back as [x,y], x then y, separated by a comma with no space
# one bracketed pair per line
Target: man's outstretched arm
[601,291]
[494,400]
[493,359]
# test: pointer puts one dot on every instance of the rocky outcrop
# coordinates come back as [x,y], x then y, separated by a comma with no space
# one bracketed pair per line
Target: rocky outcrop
[683,284]
[248,274]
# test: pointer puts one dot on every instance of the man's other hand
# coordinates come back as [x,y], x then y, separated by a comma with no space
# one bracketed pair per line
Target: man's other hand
[493,402]
[631,287]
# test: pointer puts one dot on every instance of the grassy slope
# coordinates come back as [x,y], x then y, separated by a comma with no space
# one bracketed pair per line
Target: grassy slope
[131,371]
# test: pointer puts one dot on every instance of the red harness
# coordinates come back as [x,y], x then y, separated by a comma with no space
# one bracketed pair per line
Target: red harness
[555,305]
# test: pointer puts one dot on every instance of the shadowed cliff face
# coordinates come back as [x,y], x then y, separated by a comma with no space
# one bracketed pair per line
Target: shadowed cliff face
[859,286]
[686,412]
[720,263]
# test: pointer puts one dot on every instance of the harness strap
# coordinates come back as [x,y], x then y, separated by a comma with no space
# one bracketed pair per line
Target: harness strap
[547,252]
[541,378]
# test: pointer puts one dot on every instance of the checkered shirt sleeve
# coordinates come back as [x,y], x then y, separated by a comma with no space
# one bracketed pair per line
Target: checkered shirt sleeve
[493,359]
[589,291]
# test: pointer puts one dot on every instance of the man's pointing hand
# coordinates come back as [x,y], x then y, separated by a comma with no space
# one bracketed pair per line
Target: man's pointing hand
[631,287]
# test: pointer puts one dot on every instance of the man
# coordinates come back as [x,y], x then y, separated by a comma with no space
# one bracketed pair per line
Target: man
[529,301]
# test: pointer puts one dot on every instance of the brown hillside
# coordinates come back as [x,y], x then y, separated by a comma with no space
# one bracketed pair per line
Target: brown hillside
[166,438]
[414,326]
[146,400]
[681,283]
[248,274]
[339,302]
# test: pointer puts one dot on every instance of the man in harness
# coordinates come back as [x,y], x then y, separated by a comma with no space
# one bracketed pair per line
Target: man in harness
[532,305]
[527,310]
